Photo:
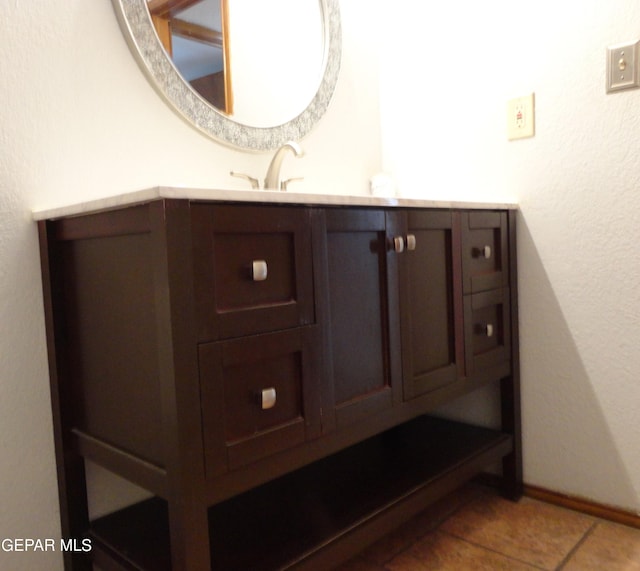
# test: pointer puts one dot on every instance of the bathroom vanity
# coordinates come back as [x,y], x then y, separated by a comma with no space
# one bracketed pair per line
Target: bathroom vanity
[265,364]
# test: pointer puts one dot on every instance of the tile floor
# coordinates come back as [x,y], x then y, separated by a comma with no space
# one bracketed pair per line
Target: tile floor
[475,529]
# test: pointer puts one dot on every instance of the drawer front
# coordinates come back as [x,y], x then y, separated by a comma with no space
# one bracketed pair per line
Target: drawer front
[487,330]
[258,396]
[484,251]
[253,270]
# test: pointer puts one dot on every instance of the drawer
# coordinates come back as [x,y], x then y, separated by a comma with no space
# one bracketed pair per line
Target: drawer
[253,269]
[484,251]
[487,330]
[259,396]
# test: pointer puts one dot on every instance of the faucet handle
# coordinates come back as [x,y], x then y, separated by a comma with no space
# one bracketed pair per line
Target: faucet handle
[284,185]
[254,181]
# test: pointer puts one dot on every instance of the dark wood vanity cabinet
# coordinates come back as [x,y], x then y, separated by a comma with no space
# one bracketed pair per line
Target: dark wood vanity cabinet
[267,373]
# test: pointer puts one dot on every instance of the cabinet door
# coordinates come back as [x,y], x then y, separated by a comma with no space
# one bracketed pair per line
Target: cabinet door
[431,301]
[260,396]
[358,283]
[253,269]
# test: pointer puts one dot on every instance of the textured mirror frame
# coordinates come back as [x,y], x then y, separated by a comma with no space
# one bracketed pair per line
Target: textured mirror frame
[140,34]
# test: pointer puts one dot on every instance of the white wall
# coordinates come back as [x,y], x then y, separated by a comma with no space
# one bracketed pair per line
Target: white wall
[446,76]
[78,120]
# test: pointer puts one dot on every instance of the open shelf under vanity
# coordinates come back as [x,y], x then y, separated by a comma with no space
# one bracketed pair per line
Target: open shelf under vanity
[299,518]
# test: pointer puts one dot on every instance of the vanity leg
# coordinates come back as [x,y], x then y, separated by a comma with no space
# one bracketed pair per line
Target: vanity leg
[189,534]
[510,387]
[74,514]
[179,385]
[72,485]
[512,486]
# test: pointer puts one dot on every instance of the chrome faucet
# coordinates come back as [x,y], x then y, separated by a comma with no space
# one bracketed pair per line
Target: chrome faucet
[272,180]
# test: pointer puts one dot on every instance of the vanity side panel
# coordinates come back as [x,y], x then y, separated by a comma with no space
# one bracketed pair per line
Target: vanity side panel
[107,297]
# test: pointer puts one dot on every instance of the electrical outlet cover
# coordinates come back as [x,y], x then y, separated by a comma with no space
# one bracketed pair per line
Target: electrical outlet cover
[521,121]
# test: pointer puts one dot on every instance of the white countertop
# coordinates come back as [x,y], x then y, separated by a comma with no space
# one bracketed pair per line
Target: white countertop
[273,196]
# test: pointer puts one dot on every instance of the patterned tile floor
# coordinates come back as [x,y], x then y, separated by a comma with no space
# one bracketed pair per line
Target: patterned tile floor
[475,529]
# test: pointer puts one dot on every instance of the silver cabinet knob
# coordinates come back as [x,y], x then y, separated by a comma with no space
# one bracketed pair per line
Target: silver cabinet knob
[484,252]
[411,242]
[398,244]
[259,270]
[268,398]
[489,330]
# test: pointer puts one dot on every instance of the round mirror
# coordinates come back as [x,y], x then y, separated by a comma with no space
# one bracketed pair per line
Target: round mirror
[253,74]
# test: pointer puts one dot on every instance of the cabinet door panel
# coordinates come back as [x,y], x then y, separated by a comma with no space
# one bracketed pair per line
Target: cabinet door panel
[259,396]
[356,322]
[233,299]
[488,335]
[359,276]
[431,303]
[485,254]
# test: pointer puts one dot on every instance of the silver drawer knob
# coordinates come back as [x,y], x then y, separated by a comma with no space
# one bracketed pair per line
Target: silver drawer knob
[486,252]
[489,330]
[398,244]
[268,398]
[259,270]
[411,242]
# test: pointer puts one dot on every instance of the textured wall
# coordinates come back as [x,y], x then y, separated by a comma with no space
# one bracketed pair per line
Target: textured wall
[577,184]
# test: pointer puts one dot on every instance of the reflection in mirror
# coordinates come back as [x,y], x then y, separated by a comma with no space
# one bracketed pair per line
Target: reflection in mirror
[276,68]
[193,35]
[252,73]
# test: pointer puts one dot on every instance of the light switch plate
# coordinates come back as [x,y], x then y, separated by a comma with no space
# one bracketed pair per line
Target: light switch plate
[622,67]
[521,120]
